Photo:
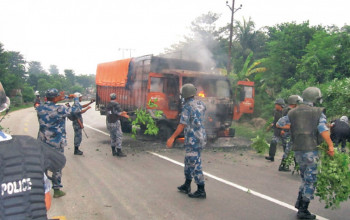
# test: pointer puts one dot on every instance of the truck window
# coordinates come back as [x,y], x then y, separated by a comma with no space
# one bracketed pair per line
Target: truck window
[248,91]
[157,84]
[222,89]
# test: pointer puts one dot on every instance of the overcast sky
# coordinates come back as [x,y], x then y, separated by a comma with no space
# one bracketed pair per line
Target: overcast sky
[79,34]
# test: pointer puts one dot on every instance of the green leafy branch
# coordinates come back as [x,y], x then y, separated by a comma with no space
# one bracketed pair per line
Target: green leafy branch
[333,179]
[145,119]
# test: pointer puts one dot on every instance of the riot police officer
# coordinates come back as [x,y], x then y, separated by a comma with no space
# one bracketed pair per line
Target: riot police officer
[192,123]
[277,137]
[307,123]
[292,101]
[77,120]
[114,112]
[340,132]
[52,130]
[24,160]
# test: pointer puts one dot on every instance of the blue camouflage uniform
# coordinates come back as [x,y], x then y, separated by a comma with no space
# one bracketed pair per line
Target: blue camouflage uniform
[77,129]
[192,116]
[307,160]
[113,123]
[52,129]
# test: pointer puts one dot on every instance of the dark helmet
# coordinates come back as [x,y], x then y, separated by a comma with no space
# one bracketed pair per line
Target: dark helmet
[52,93]
[4,100]
[294,100]
[280,102]
[113,96]
[312,94]
[188,90]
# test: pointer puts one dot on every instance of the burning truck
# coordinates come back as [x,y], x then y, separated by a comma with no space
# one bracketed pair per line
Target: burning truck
[137,81]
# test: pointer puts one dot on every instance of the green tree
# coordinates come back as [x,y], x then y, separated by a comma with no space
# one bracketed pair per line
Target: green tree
[35,68]
[319,61]
[70,79]
[285,48]
[53,70]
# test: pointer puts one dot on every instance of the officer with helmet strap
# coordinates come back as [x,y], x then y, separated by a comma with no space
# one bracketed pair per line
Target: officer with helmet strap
[192,123]
[307,123]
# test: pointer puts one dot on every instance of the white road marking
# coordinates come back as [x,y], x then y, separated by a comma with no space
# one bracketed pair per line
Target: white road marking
[238,186]
[247,190]
[95,129]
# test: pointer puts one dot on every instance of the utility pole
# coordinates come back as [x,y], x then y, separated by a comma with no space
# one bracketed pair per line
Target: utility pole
[125,49]
[233,10]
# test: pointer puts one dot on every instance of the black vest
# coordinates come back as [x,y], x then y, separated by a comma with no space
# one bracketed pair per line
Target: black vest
[112,109]
[304,122]
[23,161]
[276,116]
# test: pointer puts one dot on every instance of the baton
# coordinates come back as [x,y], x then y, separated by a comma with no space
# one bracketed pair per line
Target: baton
[85,133]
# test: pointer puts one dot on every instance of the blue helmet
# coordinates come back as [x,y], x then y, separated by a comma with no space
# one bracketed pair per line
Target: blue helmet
[52,93]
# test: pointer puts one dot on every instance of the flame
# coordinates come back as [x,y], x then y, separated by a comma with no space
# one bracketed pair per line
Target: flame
[201,94]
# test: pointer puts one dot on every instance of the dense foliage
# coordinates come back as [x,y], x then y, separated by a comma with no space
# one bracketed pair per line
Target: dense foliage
[333,179]
[290,56]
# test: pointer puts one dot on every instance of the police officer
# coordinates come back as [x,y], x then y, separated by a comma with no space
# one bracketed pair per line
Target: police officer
[37,101]
[307,123]
[52,130]
[292,101]
[191,122]
[24,160]
[340,132]
[277,137]
[78,122]
[114,112]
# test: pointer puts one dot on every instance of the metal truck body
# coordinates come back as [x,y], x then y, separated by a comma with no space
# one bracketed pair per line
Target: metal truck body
[136,81]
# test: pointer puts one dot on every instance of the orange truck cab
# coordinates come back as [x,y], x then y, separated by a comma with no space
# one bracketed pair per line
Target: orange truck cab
[136,81]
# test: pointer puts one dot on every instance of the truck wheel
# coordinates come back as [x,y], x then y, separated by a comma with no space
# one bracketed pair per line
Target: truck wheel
[126,126]
[164,132]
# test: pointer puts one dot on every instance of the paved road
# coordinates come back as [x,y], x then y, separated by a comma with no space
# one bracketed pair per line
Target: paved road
[239,183]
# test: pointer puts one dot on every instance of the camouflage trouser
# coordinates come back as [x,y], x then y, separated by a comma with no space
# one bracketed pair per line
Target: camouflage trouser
[56,176]
[116,134]
[56,179]
[273,145]
[307,161]
[288,143]
[77,134]
[193,164]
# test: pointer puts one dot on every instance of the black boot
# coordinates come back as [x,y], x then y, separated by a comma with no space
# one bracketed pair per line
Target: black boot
[303,213]
[200,193]
[283,167]
[270,158]
[297,203]
[272,151]
[120,153]
[186,187]
[77,151]
[114,153]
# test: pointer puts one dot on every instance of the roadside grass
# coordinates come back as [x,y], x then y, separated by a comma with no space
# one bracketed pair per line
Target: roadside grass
[248,131]
[16,108]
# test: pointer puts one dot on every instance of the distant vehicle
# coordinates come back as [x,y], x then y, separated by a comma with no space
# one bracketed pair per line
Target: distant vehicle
[138,80]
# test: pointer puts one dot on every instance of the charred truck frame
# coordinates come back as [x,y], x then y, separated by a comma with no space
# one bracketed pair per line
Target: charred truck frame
[136,81]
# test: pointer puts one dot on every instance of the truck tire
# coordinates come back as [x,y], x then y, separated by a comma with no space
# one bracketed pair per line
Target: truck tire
[126,126]
[165,131]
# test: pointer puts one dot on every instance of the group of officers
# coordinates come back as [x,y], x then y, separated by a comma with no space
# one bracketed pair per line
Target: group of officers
[304,122]
[25,184]
[301,127]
